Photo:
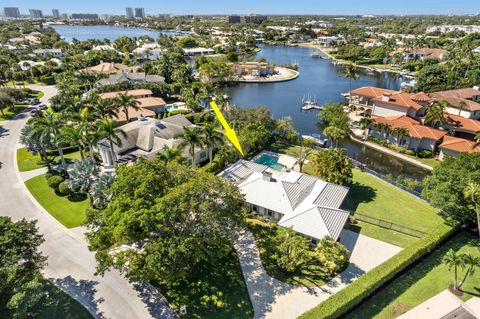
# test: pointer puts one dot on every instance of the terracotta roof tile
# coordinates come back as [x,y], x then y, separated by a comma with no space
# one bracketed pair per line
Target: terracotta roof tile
[459,145]
[415,129]
[461,123]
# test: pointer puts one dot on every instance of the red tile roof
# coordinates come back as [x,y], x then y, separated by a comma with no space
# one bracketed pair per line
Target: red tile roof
[454,97]
[461,123]
[415,129]
[396,98]
[459,145]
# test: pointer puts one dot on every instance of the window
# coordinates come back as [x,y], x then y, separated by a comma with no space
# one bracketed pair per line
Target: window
[255,208]
[314,241]
[203,154]
[270,213]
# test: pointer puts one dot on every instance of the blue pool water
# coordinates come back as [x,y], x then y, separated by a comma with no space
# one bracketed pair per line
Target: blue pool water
[271,161]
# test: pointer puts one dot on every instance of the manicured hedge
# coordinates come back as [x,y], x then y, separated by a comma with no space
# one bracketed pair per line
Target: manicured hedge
[349,297]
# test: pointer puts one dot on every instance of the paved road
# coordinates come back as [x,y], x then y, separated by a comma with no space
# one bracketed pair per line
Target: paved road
[274,299]
[71,265]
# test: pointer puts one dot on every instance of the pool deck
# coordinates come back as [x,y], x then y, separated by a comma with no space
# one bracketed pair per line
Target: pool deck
[282,159]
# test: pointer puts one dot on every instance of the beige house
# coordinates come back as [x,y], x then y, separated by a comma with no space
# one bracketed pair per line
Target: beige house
[373,101]
[253,68]
[107,68]
[463,102]
[147,137]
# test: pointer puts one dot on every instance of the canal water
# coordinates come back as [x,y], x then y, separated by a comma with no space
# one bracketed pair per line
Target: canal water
[102,32]
[322,80]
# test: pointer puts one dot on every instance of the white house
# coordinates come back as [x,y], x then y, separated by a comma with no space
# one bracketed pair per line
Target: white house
[147,137]
[307,204]
[149,51]
[198,51]
[49,52]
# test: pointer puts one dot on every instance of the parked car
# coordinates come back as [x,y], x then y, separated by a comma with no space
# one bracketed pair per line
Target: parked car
[23,102]
[42,107]
[35,113]
[35,101]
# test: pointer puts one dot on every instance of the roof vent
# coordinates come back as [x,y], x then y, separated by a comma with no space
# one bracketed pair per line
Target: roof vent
[386,97]
[267,176]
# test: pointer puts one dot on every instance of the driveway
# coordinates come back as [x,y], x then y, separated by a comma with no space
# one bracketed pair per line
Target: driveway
[71,265]
[274,299]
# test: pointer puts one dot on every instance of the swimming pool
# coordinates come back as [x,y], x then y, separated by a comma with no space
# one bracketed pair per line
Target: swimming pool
[270,160]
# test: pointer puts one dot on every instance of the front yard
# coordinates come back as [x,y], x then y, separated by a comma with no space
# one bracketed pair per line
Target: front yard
[70,211]
[428,278]
[27,162]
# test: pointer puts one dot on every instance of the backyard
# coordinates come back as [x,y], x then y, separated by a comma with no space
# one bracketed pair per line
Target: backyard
[428,278]
[68,210]
[27,162]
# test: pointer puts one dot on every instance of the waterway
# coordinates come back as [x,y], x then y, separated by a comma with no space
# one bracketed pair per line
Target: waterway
[318,78]
[102,32]
[323,80]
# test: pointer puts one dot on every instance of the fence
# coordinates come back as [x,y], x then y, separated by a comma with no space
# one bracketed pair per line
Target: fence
[389,225]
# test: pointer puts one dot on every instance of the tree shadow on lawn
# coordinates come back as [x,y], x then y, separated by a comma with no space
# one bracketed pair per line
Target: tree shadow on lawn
[384,297]
[359,193]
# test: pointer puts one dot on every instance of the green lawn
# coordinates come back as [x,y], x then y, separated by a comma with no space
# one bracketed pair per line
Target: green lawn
[432,162]
[309,275]
[71,213]
[218,291]
[27,162]
[10,112]
[420,283]
[61,305]
[371,196]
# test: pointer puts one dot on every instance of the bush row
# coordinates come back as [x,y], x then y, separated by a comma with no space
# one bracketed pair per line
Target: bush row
[419,153]
[349,297]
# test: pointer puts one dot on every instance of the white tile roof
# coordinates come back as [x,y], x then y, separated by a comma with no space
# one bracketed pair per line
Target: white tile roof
[308,204]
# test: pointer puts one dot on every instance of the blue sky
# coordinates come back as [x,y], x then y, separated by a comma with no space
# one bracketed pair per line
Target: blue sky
[253,6]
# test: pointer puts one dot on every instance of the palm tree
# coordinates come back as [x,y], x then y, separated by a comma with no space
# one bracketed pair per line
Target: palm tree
[301,154]
[365,123]
[335,133]
[105,107]
[36,142]
[50,124]
[124,101]
[193,137]
[109,129]
[73,136]
[454,260]
[6,101]
[350,72]
[401,132]
[171,154]
[213,138]
[82,176]
[461,105]
[477,140]
[471,263]
[436,113]
[472,194]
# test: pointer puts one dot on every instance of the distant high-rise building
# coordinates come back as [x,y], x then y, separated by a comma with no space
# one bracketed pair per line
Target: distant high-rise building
[233,19]
[84,16]
[65,16]
[254,18]
[56,14]
[11,12]
[35,14]
[139,13]
[129,13]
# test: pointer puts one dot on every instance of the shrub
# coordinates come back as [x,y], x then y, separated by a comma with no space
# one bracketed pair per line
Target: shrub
[410,152]
[349,297]
[54,181]
[175,112]
[424,153]
[63,189]
[332,256]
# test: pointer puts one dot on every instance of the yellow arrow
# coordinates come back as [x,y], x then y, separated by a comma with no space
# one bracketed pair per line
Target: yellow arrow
[229,132]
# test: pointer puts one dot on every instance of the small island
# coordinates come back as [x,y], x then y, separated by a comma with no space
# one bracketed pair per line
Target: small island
[262,72]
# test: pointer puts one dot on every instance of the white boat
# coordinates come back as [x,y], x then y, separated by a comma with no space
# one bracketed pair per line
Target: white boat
[310,104]
[317,138]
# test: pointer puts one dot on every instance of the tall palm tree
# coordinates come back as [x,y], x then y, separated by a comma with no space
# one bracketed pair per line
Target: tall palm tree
[36,142]
[401,132]
[335,133]
[193,137]
[124,101]
[302,154]
[213,138]
[350,72]
[365,122]
[73,136]
[50,124]
[436,113]
[471,262]
[472,194]
[109,129]
[455,261]
[171,154]
[105,107]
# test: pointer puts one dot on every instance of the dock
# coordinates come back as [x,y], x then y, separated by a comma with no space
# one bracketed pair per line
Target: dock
[308,107]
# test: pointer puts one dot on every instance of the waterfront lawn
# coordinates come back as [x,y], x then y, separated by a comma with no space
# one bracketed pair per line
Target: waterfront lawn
[432,162]
[27,162]
[69,210]
[218,291]
[428,278]
[61,305]
[309,275]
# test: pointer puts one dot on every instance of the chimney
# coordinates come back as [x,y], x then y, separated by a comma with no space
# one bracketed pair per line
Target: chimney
[267,176]
[386,97]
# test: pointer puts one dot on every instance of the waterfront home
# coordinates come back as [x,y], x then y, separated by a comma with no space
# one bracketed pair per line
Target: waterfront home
[452,146]
[148,51]
[307,204]
[418,137]
[198,52]
[462,127]
[421,54]
[464,102]
[48,52]
[147,137]
[328,41]
[148,105]
[107,68]
[373,101]
[130,77]
[253,68]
